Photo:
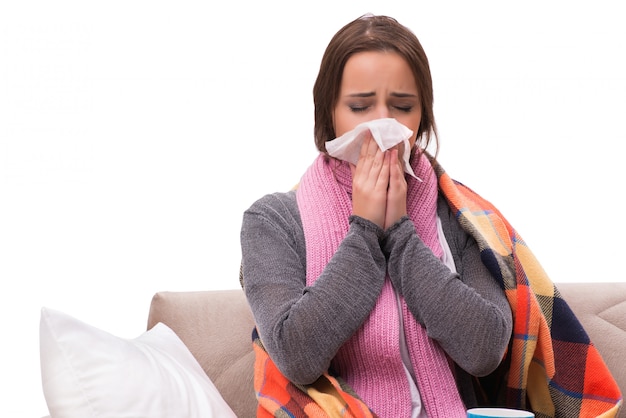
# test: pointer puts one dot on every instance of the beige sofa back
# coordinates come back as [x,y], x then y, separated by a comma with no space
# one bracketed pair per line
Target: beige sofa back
[217,327]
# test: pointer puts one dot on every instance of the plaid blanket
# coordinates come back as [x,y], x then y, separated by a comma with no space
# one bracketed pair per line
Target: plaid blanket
[551,362]
[277,397]
[551,367]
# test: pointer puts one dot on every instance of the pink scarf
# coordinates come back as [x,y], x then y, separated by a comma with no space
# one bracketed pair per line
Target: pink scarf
[370,361]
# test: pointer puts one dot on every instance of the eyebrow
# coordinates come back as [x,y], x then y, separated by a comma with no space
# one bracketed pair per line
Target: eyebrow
[371,94]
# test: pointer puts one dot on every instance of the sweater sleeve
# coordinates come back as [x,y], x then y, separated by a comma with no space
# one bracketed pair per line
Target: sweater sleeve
[466,312]
[301,327]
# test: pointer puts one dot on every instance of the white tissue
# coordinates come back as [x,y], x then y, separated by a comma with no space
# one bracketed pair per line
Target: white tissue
[387,133]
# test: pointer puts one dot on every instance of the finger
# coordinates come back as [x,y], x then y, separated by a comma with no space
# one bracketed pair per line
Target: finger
[382,177]
[363,151]
[370,161]
[368,147]
[363,160]
[397,169]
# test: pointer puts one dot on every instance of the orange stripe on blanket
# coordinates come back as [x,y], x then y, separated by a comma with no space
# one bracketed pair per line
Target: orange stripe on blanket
[278,397]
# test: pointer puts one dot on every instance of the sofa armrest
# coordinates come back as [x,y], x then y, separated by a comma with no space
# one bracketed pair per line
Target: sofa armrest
[216,326]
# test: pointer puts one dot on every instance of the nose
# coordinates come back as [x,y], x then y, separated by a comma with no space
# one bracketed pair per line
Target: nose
[382,111]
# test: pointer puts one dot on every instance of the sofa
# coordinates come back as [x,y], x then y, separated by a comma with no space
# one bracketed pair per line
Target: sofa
[216,326]
[195,358]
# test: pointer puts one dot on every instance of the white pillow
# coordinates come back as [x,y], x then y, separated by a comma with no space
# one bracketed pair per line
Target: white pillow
[87,372]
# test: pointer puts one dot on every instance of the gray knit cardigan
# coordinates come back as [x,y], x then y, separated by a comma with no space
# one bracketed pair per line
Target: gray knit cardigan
[302,327]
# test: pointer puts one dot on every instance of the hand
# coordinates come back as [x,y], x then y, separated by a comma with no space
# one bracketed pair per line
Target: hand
[370,182]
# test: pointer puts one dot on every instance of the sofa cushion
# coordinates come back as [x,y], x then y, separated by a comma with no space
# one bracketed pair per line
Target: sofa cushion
[217,328]
[87,372]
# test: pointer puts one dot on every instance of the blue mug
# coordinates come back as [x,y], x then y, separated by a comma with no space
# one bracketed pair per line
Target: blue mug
[498,413]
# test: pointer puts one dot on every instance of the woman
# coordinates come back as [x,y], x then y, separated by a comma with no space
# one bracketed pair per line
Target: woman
[365,271]
[309,320]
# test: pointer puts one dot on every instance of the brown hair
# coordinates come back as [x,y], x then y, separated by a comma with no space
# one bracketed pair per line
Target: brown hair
[370,33]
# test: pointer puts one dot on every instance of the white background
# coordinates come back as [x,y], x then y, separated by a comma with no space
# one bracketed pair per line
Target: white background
[133,134]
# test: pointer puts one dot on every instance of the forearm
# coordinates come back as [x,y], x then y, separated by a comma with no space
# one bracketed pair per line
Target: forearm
[302,327]
[472,328]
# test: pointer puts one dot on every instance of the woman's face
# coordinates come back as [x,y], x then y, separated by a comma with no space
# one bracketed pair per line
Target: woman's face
[377,85]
